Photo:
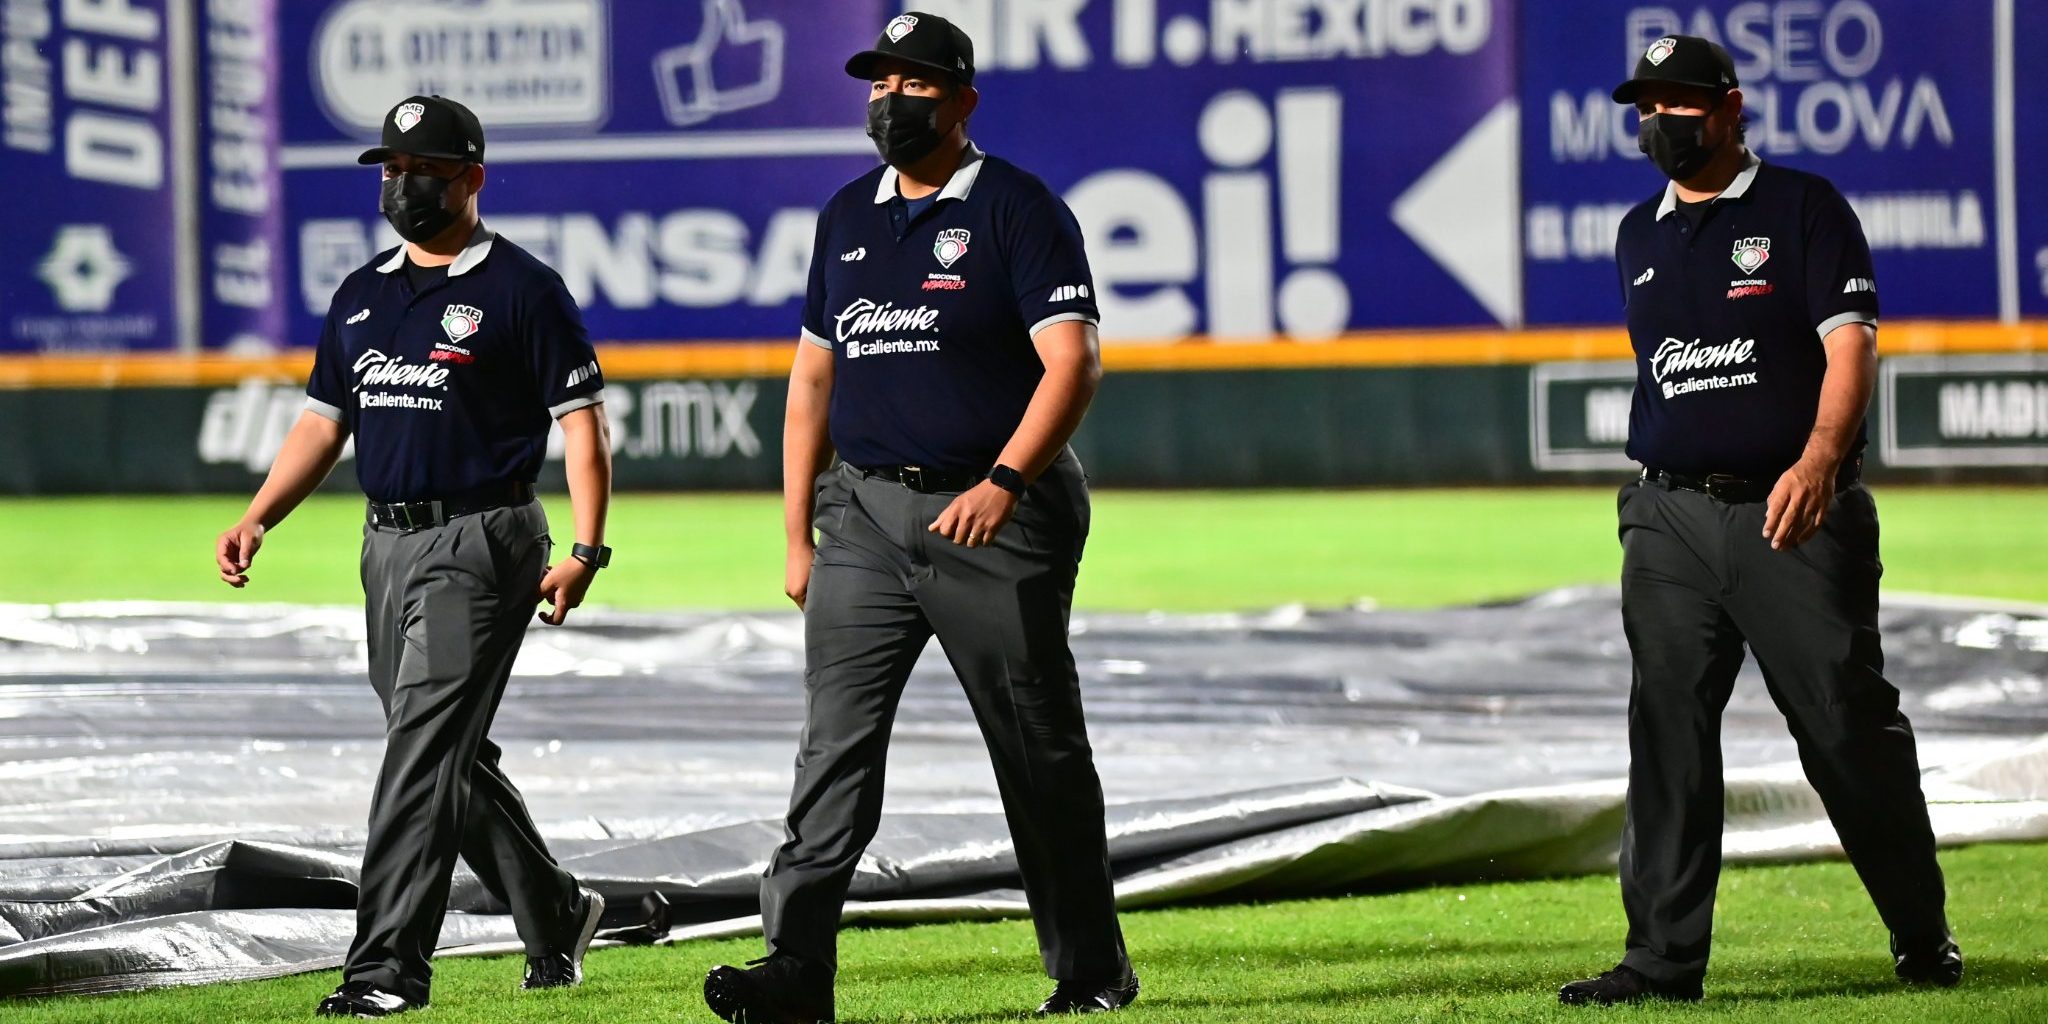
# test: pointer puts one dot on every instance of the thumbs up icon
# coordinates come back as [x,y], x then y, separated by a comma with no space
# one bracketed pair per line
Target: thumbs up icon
[733,64]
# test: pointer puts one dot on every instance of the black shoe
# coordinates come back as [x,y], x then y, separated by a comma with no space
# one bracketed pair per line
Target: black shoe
[1625,984]
[778,989]
[565,968]
[1942,966]
[1090,997]
[363,999]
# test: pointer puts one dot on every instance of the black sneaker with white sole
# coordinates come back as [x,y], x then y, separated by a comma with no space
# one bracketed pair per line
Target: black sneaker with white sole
[564,967]
[1090,997]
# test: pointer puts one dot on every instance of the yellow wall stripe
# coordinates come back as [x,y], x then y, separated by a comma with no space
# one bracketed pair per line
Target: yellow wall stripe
[644,361]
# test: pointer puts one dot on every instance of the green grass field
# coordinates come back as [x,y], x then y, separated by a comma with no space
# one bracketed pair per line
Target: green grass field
[1173,551]
[1795,942]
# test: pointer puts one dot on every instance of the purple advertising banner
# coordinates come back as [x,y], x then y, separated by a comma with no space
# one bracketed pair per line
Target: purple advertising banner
[240,186]
[1254,169]
[1239,170]
[1893,100]
[668,159]
[86,158]
[2029,126]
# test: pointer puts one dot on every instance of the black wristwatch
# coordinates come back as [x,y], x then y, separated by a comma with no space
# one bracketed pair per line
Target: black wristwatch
[594,557]
[1008,479]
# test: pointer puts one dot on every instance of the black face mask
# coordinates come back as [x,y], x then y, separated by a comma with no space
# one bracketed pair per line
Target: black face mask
[414,204]
[1676,143]
[905,128]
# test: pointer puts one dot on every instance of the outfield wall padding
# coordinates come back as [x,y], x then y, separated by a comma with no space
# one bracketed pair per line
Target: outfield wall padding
[1933,419]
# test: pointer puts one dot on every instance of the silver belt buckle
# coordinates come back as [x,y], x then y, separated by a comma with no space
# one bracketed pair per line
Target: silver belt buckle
[1721,486]
[913,478]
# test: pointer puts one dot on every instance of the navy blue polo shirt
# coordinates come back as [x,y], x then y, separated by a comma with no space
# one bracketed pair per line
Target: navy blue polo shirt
[1727,319]
[451,390]
[930,316]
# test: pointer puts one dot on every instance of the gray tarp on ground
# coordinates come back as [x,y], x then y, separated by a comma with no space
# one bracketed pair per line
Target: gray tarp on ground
[182,787]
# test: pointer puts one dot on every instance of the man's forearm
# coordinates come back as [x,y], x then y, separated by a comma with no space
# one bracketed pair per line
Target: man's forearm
[806,450]
[1073,373]
[587,460]
[1844,393]
[308,454]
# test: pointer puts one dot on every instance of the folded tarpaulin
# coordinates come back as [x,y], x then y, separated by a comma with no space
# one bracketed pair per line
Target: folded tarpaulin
[179,791]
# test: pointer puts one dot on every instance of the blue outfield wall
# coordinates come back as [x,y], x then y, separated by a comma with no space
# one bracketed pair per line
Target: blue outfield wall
[181,174]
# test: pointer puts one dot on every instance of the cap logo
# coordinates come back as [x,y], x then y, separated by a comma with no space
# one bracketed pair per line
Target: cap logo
[901,26]
[1660,51]
[459,322]
[408,114]
[951,245]
[1750,253]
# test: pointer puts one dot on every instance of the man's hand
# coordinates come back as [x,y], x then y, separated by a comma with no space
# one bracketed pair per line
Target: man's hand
[974,517]
[1798,504]
[796,570]
[564,587]
[235,550]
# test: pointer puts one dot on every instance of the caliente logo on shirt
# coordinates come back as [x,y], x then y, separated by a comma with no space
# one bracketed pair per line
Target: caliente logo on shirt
[1675,357]
[864,316]
[375,369]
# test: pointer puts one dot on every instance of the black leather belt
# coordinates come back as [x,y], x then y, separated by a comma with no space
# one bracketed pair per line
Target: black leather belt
[1736,490]
[419,515]
[922,480]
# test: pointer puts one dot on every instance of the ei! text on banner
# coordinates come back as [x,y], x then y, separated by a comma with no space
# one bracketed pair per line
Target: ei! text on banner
[1893,100]
[87,158]
[1239,171]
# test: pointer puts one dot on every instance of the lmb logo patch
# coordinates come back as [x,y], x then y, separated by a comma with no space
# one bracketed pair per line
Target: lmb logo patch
[460,322]
[1750,253]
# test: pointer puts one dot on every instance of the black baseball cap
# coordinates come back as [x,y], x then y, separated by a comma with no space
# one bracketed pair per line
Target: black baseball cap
[431,126]
[1680,60]
[919,38]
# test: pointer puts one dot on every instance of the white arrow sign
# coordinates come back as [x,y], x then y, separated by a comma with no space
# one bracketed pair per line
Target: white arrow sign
[1466,213]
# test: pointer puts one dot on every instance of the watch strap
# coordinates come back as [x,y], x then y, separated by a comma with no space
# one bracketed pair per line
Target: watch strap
[594,557]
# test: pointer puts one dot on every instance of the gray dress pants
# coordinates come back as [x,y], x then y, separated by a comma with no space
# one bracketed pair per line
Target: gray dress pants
[1699,583]
[447,608]
[881,586]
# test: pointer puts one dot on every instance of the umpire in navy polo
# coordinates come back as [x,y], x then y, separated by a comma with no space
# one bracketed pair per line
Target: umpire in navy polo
[948,353]
[447,359]
[1752,307]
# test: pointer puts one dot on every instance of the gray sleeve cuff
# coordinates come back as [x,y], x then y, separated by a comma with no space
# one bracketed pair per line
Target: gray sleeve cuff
[1828,326]
[317,406]
[815,340]
[1059,318]
[579,402]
